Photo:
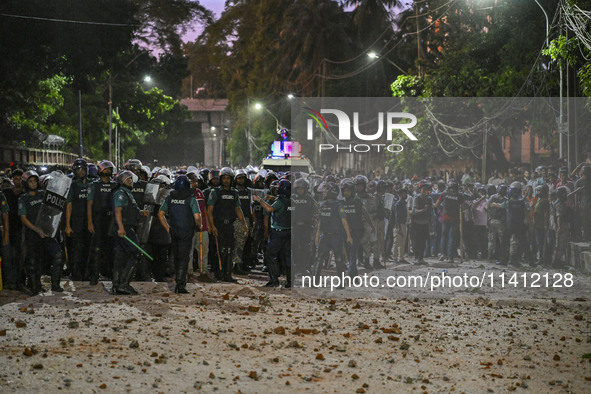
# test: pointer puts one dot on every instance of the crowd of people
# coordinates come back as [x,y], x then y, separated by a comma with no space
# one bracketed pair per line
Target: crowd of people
[140,224]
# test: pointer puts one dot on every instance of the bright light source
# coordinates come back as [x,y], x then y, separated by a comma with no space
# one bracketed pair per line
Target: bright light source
[212,128]
[290,96]
[258,106]
[147,78]
[373,55]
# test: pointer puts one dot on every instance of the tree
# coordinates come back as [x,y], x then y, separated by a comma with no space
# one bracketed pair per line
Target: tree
[479,53]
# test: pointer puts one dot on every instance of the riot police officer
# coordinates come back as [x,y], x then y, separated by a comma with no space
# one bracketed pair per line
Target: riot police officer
[332,223]
[185,218]
[38,244]
[244,195]
[100,215]
[127,215]
[139,192]
[305,213]
[356,214]
[223,207]
[279,245]
[77,220]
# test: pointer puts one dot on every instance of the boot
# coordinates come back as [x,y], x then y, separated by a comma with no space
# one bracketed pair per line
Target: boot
[34,277]
[227,266]
[93,266]
[126,277]
[377,265]
[181,281]
[116,281]
[56,273]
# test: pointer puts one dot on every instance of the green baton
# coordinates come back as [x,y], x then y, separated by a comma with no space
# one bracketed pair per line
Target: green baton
[137,246]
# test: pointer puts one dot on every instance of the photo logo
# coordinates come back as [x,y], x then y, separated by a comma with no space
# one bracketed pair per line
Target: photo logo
[392,122]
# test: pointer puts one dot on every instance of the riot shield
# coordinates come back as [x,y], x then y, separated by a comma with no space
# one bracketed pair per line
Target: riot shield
[54,203]
[148,203]
[388,201]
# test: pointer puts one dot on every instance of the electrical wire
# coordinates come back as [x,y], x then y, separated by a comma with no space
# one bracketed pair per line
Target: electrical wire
[68,20]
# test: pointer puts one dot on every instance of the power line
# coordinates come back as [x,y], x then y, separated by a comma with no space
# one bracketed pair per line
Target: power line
[67,20]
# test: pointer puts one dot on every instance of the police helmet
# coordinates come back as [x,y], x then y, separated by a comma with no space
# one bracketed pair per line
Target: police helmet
[28,174]
[348,185]
[213,174]
[562,193]
[301,182]
[270,177]
[502,189]
[241,172]
[44,180]
[126,174]
[284,188]
[105,164]
[161,179]
[514,192]
[425,185]
[166,172]
[79,163]
[182,183]
[361,180]
[453,185]
[191,169]
[258,182]
[133,165]
[381,186]
[145,170]
[516,184]
[542,191]
[226,171]
[331,190]
[204,172]
[92,170]
[273,186]
[491,189]
[194,176]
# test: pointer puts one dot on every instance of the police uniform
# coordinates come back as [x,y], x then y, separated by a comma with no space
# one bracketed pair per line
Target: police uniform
[240,258]
[125,253]
[224,203]
[181,206]
[101,195]
[138,191]
[12,254]
[331,230]
[37,248]
[516,229]
[497,226]
[80,238]
[4,213]
[279,245]
[159,243]
[305,212]
[353,208]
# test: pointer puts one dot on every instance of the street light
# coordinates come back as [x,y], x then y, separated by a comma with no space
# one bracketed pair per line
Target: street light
[373,55]
[260,106]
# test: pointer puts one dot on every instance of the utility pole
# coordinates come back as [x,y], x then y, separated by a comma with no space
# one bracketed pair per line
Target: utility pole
[110,114]
[80,122]
[483,179]
[418,41]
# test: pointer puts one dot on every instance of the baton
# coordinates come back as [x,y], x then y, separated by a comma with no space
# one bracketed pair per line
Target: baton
[138,247]
[201,251]
[461,236]
[217,246]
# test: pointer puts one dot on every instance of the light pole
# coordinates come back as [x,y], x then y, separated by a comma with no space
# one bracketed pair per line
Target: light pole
[373,55]
[260,106]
